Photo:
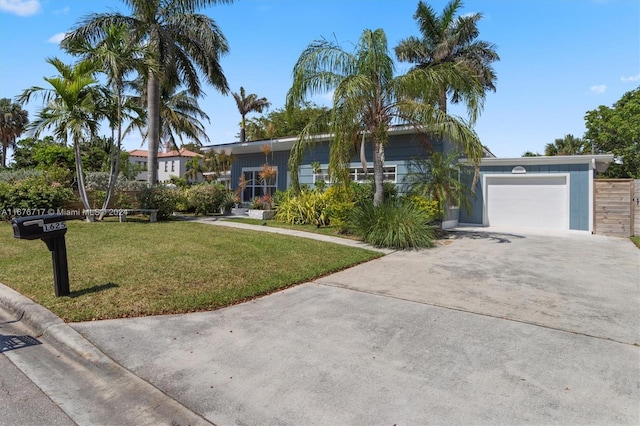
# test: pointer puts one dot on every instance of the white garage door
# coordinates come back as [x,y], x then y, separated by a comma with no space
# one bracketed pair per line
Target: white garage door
[539,201]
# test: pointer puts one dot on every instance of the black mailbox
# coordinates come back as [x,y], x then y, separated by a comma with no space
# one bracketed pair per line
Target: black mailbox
[49,228]
[39,227]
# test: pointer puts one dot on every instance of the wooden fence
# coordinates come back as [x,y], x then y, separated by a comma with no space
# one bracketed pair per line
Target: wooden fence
[614,207]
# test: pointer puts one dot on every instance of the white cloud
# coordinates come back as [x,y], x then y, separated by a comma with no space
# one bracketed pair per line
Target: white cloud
[20,7]
[631,78]
[56,38]
[64,11]
[600,88]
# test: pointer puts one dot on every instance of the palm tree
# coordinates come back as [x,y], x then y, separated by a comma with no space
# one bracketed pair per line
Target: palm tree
[13,120]
[368,99]
[450,39]
[193,169]
[180,117]
[179,45]
[569,145]
[438,178]
[247,104]
[72,109]
[116,55]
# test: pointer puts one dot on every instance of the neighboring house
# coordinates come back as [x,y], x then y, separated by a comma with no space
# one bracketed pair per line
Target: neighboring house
[138,157]
[544,193]
[170,163]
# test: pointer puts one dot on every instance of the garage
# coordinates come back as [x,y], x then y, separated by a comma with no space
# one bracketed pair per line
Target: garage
[527,201]
[540,193]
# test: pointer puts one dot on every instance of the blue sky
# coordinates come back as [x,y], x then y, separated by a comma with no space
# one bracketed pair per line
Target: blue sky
[559,58]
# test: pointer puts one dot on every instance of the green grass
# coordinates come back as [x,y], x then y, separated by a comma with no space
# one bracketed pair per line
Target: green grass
[139,268]
[636,241]
[325,230]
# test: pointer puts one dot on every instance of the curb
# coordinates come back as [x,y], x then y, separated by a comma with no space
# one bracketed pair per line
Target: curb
[136,401]
[46,323]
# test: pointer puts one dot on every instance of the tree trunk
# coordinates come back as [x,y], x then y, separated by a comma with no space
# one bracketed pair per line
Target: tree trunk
[378,175]
[363,156]
[4,155]
[443,100]
[114,164]
[80,176]
[153,109]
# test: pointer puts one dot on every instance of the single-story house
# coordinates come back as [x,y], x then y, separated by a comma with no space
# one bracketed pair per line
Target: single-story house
[404,145]
[171,162]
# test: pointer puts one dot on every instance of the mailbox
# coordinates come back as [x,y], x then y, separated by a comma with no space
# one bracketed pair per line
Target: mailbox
[51,229]
[39,227]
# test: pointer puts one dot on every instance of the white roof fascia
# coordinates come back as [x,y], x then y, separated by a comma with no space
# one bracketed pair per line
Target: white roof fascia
[539,160]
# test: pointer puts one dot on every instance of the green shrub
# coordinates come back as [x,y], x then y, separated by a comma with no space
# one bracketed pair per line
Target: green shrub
[393,224]
[31,196]
[206,197]
[340,204]
[13,176]
[429,207]
[363,192]
[308,208]
[124,201]
[159,197]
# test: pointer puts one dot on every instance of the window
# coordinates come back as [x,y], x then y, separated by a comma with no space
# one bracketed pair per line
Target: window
[255,186]
[173,166]
[166,166]
[357,174]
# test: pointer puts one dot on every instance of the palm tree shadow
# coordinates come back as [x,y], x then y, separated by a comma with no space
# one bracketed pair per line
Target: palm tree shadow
[94,289]
[499,237]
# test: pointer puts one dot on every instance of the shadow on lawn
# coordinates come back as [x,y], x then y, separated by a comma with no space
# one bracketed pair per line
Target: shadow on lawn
[94,289]
[498,237]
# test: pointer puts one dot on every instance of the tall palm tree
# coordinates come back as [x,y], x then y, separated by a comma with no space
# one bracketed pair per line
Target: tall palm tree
[73,109]
[569,145]
[448,38]
[368,99]
[180,44]
[13,121]
[247,104]
[116,55]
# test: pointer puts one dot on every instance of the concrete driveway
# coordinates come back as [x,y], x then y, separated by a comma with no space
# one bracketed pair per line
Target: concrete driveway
[489,328]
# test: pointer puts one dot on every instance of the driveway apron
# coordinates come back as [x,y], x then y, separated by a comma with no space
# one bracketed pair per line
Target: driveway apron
[484,329]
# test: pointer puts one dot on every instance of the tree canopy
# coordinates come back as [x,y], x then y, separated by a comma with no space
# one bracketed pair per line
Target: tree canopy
[13,122]
[284,122]
[616,130]
[568,145]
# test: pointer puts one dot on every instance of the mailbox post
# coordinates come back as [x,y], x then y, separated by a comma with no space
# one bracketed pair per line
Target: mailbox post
[49,228]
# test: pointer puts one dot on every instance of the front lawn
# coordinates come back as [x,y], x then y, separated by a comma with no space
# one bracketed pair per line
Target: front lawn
[140,268]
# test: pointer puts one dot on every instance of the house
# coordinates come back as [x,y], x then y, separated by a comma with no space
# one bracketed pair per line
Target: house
[546,193]
[171,162]
[405,144]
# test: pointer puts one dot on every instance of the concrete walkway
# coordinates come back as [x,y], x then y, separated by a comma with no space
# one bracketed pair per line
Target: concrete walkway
[486,328]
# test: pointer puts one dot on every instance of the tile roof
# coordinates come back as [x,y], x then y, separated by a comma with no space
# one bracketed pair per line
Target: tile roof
[182,153]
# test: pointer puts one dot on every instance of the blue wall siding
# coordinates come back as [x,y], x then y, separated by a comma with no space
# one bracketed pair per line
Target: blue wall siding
[578,192]
[278,159]
[399,151]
